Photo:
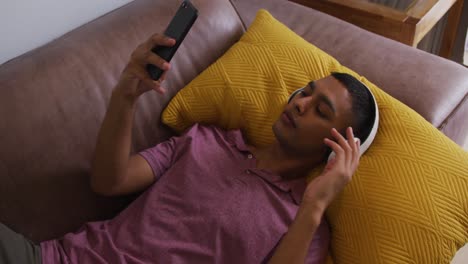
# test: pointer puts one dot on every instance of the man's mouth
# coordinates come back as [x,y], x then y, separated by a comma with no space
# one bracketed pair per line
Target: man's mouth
[288,119]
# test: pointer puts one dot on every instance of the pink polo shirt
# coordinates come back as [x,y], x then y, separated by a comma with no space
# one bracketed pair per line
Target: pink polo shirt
[208,204]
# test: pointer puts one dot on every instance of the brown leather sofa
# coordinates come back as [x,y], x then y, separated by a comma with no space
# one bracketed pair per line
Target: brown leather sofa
[54,98]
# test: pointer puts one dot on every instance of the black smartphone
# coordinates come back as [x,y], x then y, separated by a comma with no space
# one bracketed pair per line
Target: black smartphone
[177,29]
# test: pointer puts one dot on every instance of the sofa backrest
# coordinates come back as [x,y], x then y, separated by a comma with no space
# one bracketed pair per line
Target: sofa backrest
[434,87]
[53,100]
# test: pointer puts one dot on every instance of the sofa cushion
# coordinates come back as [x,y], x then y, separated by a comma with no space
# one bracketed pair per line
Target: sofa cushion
[407,201]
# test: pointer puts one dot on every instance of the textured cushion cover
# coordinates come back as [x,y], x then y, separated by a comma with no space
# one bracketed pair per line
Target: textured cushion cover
[408,200]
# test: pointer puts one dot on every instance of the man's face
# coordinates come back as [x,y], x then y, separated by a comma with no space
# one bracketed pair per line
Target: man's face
[311,114]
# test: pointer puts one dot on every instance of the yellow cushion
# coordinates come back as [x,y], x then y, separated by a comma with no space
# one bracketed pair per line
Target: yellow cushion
[407,202]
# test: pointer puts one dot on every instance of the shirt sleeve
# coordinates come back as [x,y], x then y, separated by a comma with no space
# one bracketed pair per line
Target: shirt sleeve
[161,156]
[319,246]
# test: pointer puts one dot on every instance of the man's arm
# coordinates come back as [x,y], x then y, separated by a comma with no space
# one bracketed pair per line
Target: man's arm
[294,246]
[319,193]
[114,171]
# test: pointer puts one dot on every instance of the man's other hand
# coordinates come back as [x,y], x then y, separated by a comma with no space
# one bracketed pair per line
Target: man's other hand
[135,80]
[338,172]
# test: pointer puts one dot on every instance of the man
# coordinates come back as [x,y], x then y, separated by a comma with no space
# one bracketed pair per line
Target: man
[209,196]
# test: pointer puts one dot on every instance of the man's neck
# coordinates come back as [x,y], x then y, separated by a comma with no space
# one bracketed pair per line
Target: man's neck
[288,165]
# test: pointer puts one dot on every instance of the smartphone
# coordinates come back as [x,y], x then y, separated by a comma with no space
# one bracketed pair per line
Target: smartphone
[177,29]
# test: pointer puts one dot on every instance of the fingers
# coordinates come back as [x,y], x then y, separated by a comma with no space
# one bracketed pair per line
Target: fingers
[329,165]
[142,56]
[350,137]
[163,76]
[143,76]
[335,147]
[342,167]
[345,149]
[159,40]
[151,58]
[342,142]
[357,155]
[352,145]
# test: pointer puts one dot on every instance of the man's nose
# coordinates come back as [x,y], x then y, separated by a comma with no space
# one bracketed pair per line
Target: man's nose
[302,104]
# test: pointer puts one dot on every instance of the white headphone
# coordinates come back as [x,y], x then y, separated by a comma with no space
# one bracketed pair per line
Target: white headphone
[368,139]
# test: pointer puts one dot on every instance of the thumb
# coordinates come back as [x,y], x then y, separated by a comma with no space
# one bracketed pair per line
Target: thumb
[330,164]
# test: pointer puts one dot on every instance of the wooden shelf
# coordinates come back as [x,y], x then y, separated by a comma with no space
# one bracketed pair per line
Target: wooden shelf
[408,26]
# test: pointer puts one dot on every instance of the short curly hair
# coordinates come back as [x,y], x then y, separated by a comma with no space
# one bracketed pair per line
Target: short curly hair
[363,106]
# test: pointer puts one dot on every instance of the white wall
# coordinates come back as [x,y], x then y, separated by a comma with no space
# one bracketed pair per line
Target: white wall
[27,24]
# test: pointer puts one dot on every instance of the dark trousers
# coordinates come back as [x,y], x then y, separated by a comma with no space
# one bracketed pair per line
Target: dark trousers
[16,249]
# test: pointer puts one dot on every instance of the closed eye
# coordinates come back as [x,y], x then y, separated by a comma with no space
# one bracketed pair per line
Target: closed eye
[320,113]
[317,109]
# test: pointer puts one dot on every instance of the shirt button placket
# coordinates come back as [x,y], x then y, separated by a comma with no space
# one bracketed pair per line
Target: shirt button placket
[249,164]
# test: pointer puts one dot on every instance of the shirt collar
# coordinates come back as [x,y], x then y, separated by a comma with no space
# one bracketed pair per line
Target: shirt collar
[236,139]
[294,187]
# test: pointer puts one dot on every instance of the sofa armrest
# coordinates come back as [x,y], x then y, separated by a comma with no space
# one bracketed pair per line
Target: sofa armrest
[434,87]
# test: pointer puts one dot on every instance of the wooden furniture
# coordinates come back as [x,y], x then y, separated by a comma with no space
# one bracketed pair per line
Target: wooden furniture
[407,21]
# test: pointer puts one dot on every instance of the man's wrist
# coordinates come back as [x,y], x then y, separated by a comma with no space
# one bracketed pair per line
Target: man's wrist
[311,212]
[120,95]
